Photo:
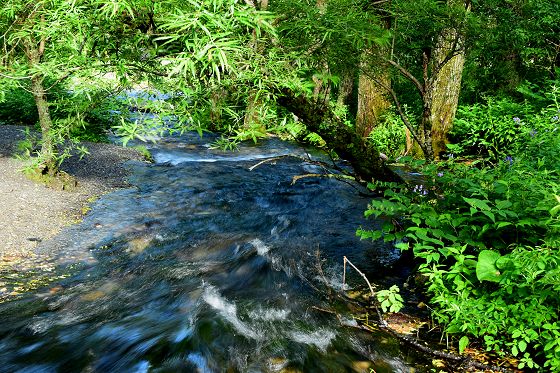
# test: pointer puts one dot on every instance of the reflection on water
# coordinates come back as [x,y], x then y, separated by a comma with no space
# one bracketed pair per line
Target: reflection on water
[199,267]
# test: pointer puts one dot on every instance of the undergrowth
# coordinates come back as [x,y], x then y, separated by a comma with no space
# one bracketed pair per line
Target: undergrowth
[486,233]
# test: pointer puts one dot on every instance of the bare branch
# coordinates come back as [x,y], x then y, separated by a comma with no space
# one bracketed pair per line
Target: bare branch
[403,116]
[408,75]
[360,272]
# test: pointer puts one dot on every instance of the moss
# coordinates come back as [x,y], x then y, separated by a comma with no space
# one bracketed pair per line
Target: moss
[59,181]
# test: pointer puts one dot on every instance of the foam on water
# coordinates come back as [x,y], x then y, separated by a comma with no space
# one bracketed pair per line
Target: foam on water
[261,247]
[320,338]
[228,311]
[269,314]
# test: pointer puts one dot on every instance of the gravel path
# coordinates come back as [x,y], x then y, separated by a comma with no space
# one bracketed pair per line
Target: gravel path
[31,213]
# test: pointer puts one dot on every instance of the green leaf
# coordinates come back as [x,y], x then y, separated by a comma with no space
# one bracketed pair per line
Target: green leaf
[522,345]
[486,269]
[501,205]
[502,224]
[463,343]
[490,215]
[477,203]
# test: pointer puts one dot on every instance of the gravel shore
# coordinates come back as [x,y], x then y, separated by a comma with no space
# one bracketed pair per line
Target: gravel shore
[31,213]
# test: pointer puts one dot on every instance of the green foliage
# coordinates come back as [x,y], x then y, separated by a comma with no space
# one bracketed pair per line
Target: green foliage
[513,41]
[389,137]
[487,238]
[390,299]
[18,107]
[500,128]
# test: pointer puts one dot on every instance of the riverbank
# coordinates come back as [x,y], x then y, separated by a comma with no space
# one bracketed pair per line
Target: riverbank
[31,213]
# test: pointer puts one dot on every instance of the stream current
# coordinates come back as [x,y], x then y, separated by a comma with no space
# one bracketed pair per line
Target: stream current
[206,264]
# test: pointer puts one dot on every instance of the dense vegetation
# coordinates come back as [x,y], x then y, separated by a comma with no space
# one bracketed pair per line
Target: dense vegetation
[470,89]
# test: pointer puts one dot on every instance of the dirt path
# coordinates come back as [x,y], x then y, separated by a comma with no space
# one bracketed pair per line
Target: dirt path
[31,213]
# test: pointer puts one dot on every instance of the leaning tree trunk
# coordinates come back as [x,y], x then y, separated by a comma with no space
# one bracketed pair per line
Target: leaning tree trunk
[445,89]
[350,146]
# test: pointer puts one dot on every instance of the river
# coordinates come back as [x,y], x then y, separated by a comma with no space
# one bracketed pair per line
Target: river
[207,263]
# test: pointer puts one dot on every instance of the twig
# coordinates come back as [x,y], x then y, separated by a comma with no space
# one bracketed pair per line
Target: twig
[360,272]
[265,161]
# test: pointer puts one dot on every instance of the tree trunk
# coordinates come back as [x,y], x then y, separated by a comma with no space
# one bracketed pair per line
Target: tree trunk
[372,99]
[217,98]
[318,118]
[34,52]
[445,88]
[47,147]
[253,117]
[345,89]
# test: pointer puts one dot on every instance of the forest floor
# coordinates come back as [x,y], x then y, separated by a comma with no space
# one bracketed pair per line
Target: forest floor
[31,212]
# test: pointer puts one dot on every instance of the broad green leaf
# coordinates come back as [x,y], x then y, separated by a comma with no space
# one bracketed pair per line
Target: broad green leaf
[502,224]
[463,343]
[477,203]
[486,269]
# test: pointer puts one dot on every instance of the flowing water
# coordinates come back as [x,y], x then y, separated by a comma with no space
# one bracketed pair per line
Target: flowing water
[206,264]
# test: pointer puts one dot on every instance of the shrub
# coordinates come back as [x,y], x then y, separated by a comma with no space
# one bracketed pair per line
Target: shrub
[389,137]
[18,107]
[487,236]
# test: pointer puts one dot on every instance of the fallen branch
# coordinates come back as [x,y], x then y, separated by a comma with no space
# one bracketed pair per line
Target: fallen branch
[266,161]
[333,176]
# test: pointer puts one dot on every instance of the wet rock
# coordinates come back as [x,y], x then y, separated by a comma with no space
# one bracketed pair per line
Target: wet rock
[362,366]
[138,245]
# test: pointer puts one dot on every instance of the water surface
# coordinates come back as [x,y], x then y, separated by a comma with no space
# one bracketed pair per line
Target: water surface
[207,263]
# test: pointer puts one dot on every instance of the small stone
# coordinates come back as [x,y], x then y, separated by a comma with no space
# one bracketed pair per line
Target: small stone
[93,295]
[362,366]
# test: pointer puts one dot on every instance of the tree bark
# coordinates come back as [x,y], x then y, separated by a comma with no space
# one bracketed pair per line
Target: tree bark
[34,53]
[318,118]
[47,147]
[253,118]
[345,89]
[372,99]
[445,88]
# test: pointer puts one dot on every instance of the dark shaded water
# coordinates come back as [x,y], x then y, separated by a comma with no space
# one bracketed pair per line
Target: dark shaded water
[205,265]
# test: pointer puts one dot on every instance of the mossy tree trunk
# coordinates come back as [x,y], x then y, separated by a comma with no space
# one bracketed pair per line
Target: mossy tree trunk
[439,88]
[255,104]
[345,88]
[445,89]
[350,146]
[373,100]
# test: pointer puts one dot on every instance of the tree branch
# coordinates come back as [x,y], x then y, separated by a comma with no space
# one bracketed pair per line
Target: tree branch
[408,75]
[42,43]
[403,116]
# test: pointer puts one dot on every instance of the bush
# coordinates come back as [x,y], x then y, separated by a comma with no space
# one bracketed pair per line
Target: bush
[389,137]
[18,107]
[487,236]
[500,127]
